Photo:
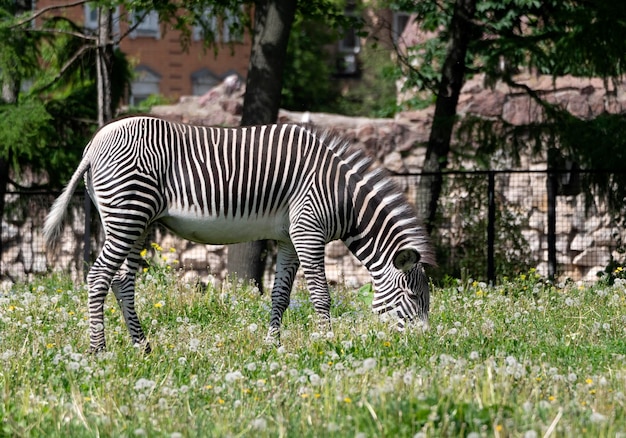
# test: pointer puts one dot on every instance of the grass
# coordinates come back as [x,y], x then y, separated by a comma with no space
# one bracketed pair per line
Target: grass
[521,359]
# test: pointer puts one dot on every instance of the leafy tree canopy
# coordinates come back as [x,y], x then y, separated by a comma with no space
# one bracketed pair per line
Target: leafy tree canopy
[581,38]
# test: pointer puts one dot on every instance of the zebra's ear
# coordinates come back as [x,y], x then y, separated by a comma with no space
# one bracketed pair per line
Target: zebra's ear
[406,259]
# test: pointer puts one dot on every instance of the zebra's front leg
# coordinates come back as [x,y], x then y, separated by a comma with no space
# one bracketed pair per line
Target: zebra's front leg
[286,267]
[123,286]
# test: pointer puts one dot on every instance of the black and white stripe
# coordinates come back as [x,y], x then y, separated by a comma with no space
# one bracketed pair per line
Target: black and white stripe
[227,185]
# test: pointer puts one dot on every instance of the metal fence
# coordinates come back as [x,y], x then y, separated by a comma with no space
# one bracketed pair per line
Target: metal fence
[490,225]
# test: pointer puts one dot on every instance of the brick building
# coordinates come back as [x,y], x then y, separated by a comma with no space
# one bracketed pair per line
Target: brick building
[162,66]
[154,49]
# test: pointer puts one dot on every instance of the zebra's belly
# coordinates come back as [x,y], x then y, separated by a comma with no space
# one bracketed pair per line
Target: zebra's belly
[226,230]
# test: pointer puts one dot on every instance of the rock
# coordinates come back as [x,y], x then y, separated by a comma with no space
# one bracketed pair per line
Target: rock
[581,242]
[393,162]
[594,256]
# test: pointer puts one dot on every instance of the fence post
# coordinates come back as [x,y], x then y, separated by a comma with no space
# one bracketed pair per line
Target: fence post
[491,227]
[87,236]
[552,183]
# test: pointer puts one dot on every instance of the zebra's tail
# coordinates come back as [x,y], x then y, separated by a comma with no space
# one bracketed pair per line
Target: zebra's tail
[54,220]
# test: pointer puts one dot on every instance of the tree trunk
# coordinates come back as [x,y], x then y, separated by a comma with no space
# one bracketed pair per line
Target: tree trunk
[104,71]
[452,78]
[104,64]
[272,24]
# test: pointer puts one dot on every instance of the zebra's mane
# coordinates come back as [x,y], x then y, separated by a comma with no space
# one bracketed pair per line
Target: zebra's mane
[388,193]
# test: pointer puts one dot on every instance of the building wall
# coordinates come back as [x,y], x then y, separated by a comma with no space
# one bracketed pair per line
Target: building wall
[162,57]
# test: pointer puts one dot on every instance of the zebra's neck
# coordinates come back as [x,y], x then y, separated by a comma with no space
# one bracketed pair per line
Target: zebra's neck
[383,223]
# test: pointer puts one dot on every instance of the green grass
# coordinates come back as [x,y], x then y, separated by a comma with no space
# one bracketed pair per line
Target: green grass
[520,359]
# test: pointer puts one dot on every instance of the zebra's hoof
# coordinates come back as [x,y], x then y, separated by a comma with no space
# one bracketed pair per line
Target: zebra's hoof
[96,350]
[272,340]
[147,349]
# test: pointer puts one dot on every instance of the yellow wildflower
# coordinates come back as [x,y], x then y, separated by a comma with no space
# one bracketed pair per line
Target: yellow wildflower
[143,253]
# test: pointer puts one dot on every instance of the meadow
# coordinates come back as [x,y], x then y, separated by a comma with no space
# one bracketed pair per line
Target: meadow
[524,358]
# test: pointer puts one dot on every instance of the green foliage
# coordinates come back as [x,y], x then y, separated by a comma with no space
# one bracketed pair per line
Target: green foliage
[53,118]
[145,105]
[506,360]
[23,129]
[307,84]
[373,94]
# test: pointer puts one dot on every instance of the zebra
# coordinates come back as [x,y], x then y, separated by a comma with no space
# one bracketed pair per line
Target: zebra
[218,185]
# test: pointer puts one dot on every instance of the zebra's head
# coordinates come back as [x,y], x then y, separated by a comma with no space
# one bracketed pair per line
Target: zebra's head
[402,287]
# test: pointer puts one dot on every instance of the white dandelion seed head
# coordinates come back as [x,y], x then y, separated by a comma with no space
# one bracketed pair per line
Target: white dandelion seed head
[369,364]
[233,376]
[597,417]
[258,424]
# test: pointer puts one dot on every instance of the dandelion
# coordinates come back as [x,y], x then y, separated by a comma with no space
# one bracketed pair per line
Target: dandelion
[143,253]
[194,344]
[233,376]
[251,366]
[369,364]
[159,304]
[253,328]
[332,427]
[597,417]
[142,384]
[347,400]
[258,424]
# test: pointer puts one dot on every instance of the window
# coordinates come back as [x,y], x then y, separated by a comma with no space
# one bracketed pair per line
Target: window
[202,81]
[400,21]
[226,28]
[349,47]
[91,17]
[147,27]
[146,83]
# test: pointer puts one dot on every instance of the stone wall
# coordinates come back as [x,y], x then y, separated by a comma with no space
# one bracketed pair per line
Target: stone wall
[586,241]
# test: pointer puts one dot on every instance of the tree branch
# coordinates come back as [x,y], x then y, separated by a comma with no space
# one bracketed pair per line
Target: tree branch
[64,32]
[47,9]
[134,26]
[63,69]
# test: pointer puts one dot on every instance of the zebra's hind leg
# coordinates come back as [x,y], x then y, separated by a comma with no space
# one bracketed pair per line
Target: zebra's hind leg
[286,266]
[123,286]
[310,249]
[119,243]
[99,280]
